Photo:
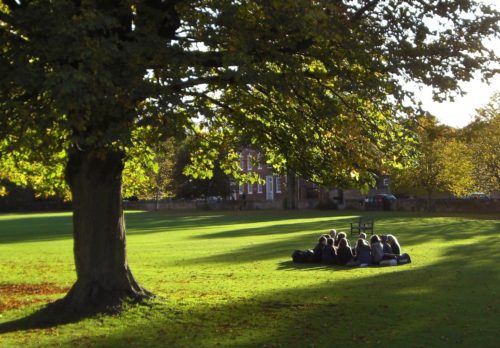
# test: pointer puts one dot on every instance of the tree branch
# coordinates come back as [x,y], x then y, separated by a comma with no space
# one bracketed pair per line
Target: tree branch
[359,13]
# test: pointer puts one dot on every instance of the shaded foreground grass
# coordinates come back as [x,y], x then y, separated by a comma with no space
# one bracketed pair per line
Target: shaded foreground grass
[225,279]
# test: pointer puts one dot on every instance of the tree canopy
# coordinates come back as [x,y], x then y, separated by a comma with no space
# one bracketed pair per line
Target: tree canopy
[318,85]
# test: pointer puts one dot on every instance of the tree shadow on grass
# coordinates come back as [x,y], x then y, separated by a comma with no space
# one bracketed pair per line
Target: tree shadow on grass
[35,228]
[158,222]
[304,235]
[442,304]
[414,231]
[452,302]
[20,228]
[279,228]
[290,265]
[44,318]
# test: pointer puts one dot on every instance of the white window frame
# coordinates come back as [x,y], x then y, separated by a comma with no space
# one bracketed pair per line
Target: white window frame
[269,188]
[250,188]
[249,162]
[242,189]
[259,159]
[278,184]
[259,187]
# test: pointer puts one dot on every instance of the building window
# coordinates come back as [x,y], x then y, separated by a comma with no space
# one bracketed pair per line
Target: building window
[385,182]
[249,162]
[259,160]
[259,187]
[242,189]
[278,184]
[242,161]
[250,188]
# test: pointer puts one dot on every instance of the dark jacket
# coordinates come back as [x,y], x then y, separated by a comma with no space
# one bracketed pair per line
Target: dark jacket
[318,252]
[344,255]
[377,252]
[387,248]
[329,255]
[364,254]
[396,249]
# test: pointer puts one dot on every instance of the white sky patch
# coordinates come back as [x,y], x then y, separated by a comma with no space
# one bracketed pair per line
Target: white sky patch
[460,112]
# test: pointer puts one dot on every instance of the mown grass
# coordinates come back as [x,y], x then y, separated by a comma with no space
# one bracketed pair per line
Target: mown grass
[226,280]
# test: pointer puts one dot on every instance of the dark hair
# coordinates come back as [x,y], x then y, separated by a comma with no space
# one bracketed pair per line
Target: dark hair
[383,238]
[329,241]
[360,243]
[343,242]
[322,239]
[341,235]
[374,239]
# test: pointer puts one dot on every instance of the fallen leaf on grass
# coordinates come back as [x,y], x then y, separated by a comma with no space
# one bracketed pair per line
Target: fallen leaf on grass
[11,294]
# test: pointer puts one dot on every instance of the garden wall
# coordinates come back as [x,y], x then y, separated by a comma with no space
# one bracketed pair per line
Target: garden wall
[450,205]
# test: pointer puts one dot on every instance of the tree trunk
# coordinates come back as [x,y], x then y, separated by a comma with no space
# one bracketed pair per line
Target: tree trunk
[104,278]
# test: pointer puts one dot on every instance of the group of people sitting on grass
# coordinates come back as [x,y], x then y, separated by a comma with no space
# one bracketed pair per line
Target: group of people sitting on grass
[334,249]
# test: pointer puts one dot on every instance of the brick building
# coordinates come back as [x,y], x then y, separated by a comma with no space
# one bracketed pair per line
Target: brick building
[274,186]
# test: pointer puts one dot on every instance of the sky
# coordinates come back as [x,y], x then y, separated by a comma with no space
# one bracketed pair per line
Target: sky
[460,112]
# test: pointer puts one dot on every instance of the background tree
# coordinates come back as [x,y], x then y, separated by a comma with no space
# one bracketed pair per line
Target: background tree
[189,186]
[311,82]
[148,171]
[483,137]
[442,162]
[456,174]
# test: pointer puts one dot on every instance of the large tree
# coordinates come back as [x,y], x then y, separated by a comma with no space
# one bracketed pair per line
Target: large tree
[316,84]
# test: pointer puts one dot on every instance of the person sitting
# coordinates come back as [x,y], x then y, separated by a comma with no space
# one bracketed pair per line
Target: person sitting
[340,236]
[344,252]
[393,242]
[363,253]
[377,249]
[333,233]
[318,249]
[329,255]
[385,244]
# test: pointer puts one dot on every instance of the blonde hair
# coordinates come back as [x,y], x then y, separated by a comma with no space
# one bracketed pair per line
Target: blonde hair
[392,239]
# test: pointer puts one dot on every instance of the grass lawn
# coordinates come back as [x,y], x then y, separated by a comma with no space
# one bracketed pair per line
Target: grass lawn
[225,279]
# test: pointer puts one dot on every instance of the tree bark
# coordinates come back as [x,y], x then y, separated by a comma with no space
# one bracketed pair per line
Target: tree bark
[104,279]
